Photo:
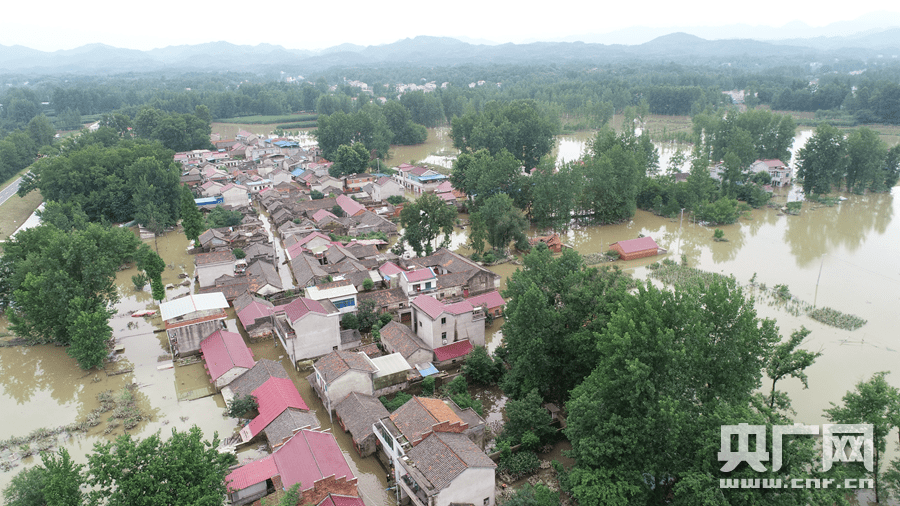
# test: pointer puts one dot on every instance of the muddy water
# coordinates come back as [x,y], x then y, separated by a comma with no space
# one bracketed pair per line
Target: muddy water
[436,150]
[43,387]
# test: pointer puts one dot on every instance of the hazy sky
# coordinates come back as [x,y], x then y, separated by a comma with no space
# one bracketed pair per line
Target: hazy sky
[54,25]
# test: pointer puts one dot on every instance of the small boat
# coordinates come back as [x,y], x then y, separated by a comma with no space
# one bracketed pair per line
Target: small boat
[148,312]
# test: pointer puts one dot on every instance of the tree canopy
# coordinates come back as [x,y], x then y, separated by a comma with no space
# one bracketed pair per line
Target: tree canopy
[182,469]
[519,127]
[76,266]
[425,220]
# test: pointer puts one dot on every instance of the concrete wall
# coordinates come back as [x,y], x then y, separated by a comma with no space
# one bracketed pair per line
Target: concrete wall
[457,327]
[229,376]
[317,335]
[473,486]
[350,381]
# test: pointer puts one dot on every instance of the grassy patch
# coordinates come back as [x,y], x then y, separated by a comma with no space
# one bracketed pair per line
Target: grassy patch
[266,120]
[16,210]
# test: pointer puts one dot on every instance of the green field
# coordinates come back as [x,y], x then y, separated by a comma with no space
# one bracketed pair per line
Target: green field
[271,120]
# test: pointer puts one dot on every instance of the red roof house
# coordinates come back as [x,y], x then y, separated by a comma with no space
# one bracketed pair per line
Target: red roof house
[491,300]
[273,397]
[226,356]
[311,458]
[632,249]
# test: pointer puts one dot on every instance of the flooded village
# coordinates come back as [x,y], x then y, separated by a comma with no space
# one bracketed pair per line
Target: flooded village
[257,309]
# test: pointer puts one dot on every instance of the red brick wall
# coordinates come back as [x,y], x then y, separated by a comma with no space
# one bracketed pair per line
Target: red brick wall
[328,485]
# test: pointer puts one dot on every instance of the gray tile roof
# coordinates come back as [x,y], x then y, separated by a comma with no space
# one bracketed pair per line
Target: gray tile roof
[336,363]
[359,412]
[441,457]
[287,422]
[264,369]
[401,339]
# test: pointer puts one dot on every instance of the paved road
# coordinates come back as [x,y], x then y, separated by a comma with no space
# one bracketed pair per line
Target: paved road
[9,191]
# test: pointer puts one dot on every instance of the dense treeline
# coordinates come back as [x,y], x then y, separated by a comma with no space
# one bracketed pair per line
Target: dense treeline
[111,179]
[649,377]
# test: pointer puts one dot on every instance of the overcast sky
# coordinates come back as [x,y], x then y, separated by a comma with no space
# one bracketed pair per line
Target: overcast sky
[55,25]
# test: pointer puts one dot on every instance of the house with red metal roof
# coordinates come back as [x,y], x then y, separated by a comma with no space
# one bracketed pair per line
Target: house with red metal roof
[282,412]
[632,249]
[422,280]
[225,357]
[349,206]
[492,302]
[439,324]
[311,458]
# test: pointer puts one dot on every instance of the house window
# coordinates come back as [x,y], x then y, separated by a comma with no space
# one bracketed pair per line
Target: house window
[420,324]
[444,337]
[443,321]
[487,500]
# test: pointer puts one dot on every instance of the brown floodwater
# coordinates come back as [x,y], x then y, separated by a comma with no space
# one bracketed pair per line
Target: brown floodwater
[841,257]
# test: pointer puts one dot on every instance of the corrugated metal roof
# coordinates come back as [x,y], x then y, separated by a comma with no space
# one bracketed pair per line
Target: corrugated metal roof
[491,299]
[223,351]
[419,274]
[451,351]
[273,397]
[252,473]
[191,303]
[390,364]
[310,456]
[316,293]
[639,244]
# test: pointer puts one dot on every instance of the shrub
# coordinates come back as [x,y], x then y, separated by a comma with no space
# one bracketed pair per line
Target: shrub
[479,367]
[316,195]
[350,321]
[368,284]
[520,464]
[240,406]
[140,280]
[489,257]
[428,386]
[399,399]
[239,253]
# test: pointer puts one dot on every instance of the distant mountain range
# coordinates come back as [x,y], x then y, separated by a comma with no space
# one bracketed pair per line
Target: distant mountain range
[443,51]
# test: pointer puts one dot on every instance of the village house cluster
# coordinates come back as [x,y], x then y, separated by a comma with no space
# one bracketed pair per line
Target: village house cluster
[303,264]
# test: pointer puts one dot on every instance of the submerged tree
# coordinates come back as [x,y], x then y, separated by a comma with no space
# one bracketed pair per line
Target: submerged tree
[424,221]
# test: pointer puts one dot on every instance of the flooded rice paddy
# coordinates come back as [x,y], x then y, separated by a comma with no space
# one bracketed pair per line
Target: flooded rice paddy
[842,257]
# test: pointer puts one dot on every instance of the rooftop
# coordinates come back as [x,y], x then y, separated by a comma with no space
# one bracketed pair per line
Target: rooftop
[223,351]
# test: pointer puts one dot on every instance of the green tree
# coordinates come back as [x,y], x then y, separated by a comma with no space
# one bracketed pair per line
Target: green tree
[787,360]
[477,233]
[79,266]
[191,217]
[183,469]
[63,479]
[821,163]
[90,332]
[27,488]
[221,217]
[681,363]
[873,402]
[503,222]
[866,155]
[424,221]
[519,126]
[157,289]
[240,406]
[482,175]
[554,307]
[527,415]
[349,160]
[479,368]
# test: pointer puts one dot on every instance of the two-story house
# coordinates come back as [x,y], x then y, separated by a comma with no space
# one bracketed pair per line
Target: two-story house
[417,281]
[309,329]
[451,330]
[435,460]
